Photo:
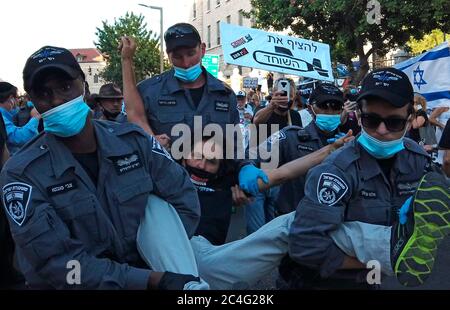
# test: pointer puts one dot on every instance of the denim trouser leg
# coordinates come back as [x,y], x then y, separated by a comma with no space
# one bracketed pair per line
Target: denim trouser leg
[366,242]
[163,243]
[254,213]
[241,263]
[270,203]
[261,210]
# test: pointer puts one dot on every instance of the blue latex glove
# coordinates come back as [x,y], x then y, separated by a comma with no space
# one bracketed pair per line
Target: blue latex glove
[248,179]
[336,137]
[404,210]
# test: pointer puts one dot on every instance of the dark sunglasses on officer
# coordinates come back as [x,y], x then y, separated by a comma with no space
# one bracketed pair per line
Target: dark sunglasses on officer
[330,105]
[392,123]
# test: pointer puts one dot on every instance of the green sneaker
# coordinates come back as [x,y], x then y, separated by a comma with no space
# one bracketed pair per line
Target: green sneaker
[425,222]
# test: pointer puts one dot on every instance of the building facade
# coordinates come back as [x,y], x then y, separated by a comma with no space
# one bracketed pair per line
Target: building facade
[92,63]
[206,15]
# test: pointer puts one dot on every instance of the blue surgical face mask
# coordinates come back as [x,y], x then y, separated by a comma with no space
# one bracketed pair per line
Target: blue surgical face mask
[68,119]
[380,149]
[188,75]
[327,122]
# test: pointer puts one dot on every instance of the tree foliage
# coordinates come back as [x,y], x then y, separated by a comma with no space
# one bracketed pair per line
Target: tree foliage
[344,24]
[429,41]
[147,55]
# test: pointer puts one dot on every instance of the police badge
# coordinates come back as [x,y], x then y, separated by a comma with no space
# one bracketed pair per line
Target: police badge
[16,197]
[330,189]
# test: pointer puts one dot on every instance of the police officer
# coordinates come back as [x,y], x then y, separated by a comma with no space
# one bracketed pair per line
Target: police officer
[182,93]
[293,142]
[367,180]
[110,100]
[186,90]
[75,194]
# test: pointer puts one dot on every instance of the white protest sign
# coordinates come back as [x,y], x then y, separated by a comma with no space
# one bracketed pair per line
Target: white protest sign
[250,82]
[273,52]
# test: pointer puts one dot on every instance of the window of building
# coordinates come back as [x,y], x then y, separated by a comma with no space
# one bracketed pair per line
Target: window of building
[229,19]
[240,18]
[218,32]
[208,5]
[194,13]
[208,36]
[95,78]
[80,57]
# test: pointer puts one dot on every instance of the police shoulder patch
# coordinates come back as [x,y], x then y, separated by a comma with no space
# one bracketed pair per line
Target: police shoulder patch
[330,189]
[159,149]
[16,197]
[278,136]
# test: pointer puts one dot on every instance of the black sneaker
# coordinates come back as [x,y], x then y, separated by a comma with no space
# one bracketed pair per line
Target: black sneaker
[414,244]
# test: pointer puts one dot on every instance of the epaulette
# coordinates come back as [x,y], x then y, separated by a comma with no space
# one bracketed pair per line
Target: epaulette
[412,146]
[345,156]
[26,155]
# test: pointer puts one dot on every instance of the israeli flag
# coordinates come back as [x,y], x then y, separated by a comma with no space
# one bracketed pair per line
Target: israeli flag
[429,74]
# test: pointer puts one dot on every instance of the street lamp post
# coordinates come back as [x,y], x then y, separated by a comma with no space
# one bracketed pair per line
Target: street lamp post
[161,59]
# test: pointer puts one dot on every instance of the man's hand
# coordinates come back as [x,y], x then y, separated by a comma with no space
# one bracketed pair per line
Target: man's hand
[278,100]
[239,197]
[164,140]
[175,281]
[127,47]
[34,113]
[429,148]
[248,179]
[349,106]
[340,140]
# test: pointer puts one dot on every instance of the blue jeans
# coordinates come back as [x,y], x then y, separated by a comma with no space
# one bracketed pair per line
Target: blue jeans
[261,210]
[163,244]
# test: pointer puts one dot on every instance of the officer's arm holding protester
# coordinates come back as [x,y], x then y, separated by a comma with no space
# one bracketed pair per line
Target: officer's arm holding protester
[300,166]
[87,206]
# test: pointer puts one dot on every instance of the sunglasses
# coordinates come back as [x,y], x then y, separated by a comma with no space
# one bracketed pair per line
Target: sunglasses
[178,31]
[393,123]
[333,105]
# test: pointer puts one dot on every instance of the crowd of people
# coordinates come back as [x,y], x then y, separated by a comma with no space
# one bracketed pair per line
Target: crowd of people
[360,174]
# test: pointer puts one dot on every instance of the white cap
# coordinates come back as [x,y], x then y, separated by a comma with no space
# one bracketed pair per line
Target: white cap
[241,93]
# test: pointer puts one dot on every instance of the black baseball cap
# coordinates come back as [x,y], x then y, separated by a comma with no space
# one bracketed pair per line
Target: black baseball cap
[326,92]
[6,90]
[6,87]
[46,58]
[181,34]
[389,84]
